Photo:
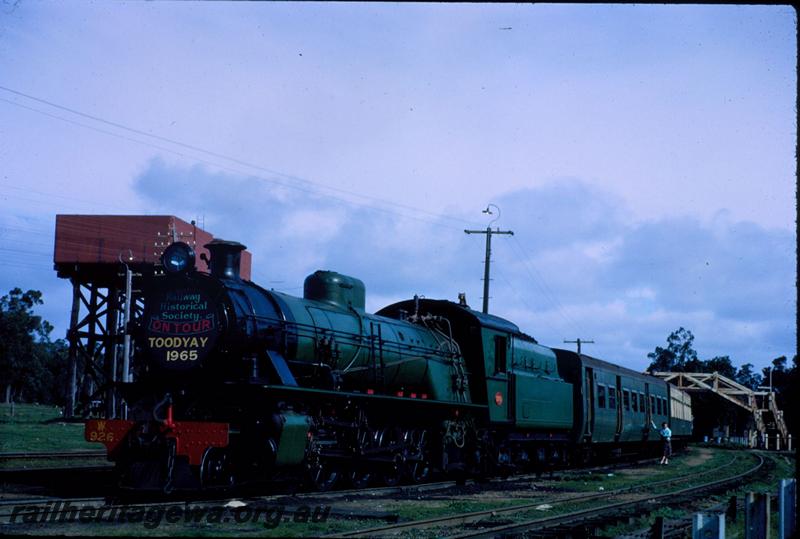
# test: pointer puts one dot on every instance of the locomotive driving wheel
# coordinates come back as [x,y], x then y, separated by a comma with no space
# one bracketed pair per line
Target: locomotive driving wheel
[391,440]
[393,472]
[418,467]
[215,468]
[362,472]
[322,474]
[360,476]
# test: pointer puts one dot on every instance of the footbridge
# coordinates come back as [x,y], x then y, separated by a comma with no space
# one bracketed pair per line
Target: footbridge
[721,403]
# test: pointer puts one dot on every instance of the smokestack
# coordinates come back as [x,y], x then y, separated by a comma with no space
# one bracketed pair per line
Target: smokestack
[225,258]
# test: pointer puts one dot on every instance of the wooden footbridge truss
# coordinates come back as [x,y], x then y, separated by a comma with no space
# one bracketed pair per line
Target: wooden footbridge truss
[761,404]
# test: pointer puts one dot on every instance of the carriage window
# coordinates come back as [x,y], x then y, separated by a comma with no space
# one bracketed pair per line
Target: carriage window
[634,402]
[626,399]
[652,404]
[500,353]
[612,398]
[601,396]
[658,405]
[641,402]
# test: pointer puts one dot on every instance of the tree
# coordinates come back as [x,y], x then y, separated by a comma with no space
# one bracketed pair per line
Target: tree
[777,375]
[21,360]
[721,365]
[676,355]
[694,365]
[784,384]
[747,377]
[788,397]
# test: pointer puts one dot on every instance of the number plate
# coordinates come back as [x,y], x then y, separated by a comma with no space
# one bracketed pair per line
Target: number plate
[107,431]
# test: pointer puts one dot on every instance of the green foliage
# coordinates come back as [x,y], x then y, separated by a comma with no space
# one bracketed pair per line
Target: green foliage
[747,377]
[679,356]
[18,328]
[31,366]
[676,355]
[783,380]
[778,370]
[720,364]
[788,397]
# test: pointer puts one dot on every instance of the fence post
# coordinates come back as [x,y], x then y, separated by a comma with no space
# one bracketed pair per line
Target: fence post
[708,526]
[787,508]
[777,442]
[756,516]
[657,531]
[732,509]
[789,442]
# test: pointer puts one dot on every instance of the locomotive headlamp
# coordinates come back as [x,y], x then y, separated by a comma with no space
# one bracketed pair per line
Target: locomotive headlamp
[178,258]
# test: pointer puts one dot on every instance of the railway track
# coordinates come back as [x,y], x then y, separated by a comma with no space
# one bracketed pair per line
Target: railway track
[681,527]
[397,491]
[53,475]
[5,457]
[482,523]
[29,467]
[61,478]
[376,504]
[601,514]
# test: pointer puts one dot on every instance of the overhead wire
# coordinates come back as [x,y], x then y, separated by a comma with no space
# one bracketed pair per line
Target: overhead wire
[81,201]
[530,266]
[38,232]
[292,177]
[541,283]
[151,145]
[519,297]
[313,188]
[274,181]
[23,251]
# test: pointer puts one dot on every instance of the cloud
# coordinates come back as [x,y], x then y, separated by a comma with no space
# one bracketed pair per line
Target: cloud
[293,232]
[582,267]
[740,270]
[564,210]
[577,266]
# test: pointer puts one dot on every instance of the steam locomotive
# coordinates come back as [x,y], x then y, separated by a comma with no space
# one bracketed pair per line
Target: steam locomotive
[240,383]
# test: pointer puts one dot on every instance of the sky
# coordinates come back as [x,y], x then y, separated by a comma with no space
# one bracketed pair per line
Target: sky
[643,155]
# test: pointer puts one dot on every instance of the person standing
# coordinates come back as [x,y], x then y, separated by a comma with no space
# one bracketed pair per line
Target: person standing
[666,437]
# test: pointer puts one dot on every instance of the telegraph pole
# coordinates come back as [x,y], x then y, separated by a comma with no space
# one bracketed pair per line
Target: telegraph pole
[578,342]
[486,264]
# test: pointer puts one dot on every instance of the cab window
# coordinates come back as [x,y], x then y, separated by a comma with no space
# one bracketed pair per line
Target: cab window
[500,353]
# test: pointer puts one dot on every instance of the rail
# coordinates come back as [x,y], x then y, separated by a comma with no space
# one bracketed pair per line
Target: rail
[53,455]
[466,518]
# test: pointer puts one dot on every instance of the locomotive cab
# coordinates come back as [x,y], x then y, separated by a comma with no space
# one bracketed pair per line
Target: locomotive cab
[517,378]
